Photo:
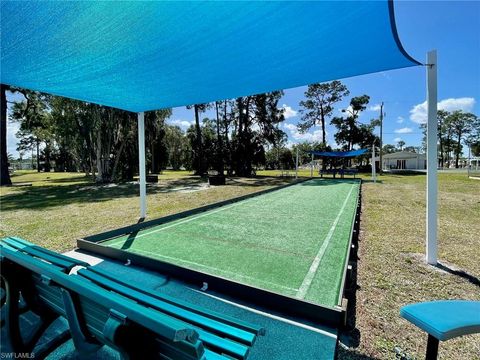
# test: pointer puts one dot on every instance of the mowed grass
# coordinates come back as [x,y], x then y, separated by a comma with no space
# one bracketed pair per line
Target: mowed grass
[269,241]
[391,270]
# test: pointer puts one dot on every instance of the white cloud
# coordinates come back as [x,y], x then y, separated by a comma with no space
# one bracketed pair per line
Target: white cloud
[184,124]
[290,127]
[288,112]
[375,107]
[405,130]
[397,139]
[295,134]
[400,119]
[418,113]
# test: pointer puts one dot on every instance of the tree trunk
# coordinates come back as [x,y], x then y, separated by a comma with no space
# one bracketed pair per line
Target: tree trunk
[200,160]
[441,151]
[4,176]
[322,119]
[38,156]
[459,146]
[100,174]
[219,143]
[46,167]
[117,160]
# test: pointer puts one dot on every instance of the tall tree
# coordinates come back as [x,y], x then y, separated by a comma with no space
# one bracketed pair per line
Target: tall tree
[318,105]
[257,118]
[155,138]
[441,116]
[473,138]
[461,123]
[220,150]
[4,174]
[348,132]
[389,149]
[200,168]
[35,124]
[177,147]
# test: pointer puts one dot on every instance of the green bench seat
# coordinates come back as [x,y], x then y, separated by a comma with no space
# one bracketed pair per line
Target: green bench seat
[95,316]
[103,310]
[218,333]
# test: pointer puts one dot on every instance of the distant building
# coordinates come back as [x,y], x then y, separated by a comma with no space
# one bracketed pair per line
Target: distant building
[404,160]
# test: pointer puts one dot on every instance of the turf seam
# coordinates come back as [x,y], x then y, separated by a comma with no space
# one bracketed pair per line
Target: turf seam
[307,281]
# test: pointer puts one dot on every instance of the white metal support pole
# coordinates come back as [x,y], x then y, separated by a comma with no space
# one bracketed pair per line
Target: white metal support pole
[296,165]
[432,158]
[141,165]
[311,168]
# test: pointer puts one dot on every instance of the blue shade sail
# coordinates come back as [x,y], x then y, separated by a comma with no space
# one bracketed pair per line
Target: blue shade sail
[142,56]
[339,154]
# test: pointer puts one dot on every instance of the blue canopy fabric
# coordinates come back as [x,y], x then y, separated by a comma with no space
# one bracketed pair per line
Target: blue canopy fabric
[339,154]
[140,56]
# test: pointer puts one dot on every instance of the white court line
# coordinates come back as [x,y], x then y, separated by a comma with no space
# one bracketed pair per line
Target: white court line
[279,318]
[215,269]
[307,281]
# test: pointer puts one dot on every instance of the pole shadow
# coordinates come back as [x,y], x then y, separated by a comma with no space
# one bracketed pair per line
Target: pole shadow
[463,274]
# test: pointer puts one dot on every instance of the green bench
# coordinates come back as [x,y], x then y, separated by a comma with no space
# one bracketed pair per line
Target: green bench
[103,310]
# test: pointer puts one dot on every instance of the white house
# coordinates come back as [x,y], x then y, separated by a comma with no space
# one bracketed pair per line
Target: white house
[404,160]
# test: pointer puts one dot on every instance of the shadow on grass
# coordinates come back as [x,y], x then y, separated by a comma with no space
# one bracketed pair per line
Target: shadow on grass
[47,196]
[352,355]
[350,335]
[257,181]
[53,179]
[470,278]
[76,179]
[371,181]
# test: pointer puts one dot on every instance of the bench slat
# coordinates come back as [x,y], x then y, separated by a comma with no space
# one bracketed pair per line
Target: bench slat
[67,265]
[200,322]
[244,325]
[183,314]
[38,251]
[52,253]
[163,325]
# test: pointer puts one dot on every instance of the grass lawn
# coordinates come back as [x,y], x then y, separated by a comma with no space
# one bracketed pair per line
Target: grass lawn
[59,208]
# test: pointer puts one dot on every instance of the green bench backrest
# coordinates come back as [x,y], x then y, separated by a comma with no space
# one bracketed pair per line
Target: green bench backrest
[181,329]
[65,262]
[216,335]
[97,305]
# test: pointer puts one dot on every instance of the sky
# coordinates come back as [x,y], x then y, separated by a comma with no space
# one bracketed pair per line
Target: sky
[450,27]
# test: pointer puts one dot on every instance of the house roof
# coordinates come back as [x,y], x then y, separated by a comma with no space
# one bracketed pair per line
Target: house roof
[403,155]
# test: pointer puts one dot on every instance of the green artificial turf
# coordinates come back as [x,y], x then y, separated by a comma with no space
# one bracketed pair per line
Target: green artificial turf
[269,241]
